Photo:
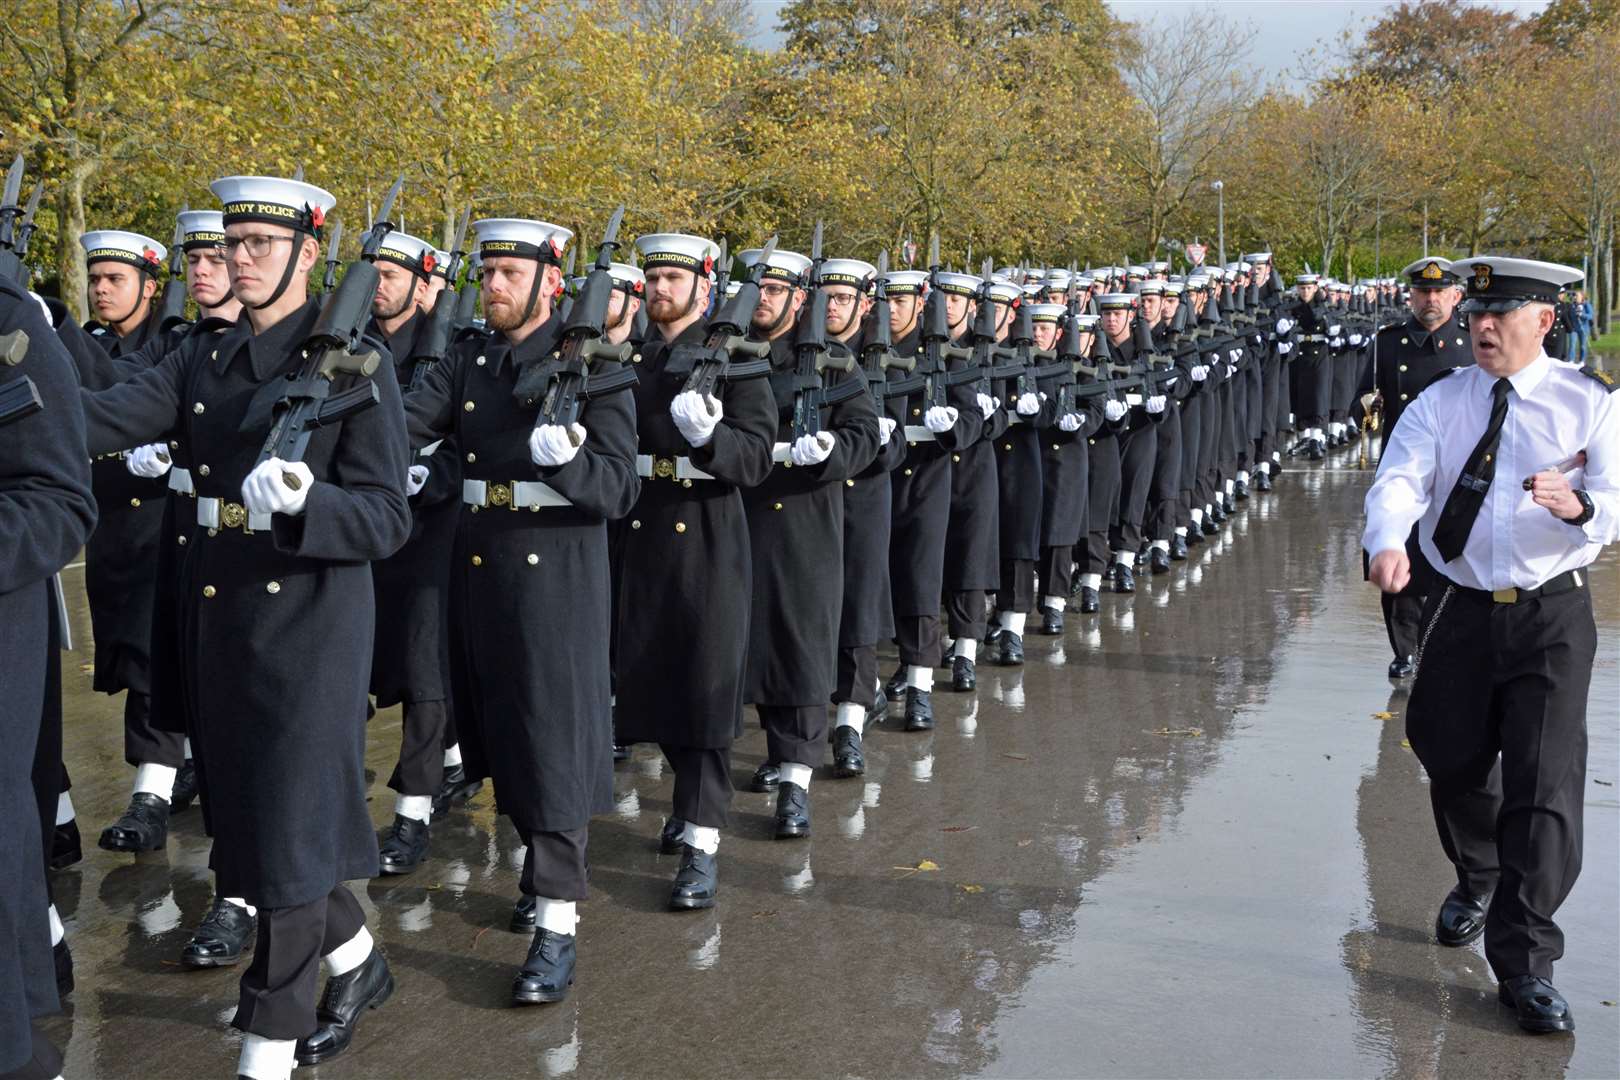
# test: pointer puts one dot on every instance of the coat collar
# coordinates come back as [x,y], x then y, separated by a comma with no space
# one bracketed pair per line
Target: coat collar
[268,352]
[537,347]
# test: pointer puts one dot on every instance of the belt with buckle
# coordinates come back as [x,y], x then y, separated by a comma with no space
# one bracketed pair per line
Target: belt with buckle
[517,495]
[658,467]
[180,481]
[1568,581]
[218,514]
[781,452]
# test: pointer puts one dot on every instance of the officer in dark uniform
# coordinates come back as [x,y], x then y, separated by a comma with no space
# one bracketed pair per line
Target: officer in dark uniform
[276,607]
[1407,357]
[46,514]
[1510,469]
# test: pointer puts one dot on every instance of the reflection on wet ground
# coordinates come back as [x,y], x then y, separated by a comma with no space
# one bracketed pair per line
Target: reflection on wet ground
[1182,841]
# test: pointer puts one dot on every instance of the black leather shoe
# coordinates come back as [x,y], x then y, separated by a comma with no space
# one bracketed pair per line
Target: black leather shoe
[1090,602]
[1124,578]
[1178,548]
[1240,491]
[919,709]
[847,757]
[548,972]
[792,811]
[1542,1010]
[454,790]
[1210,526]
[523,914]
[1159,561]
[1461,918]
[1402,667]
[766,777]
[1051,620]
[1315,450]
[66,848]
[1195,533]
[220,938]
[621,752]
[1262,482]
[345,998]
[1229,506]
[897,682]
[993,635]
[64,967]
[185,787]
[879,707]
[403,845]
[696,882]
[144,826]
[1012,649]
[669,839]
[963,675]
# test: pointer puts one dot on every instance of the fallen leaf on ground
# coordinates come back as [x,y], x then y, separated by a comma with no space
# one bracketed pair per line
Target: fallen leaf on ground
[971,888]
[767,914]
[1407,743]
[923,867]
[1025,843]
[970,828]
[1017,757]
[1610,1004]
[1383,716]
[1605,783]
[1179,731]
[482,931]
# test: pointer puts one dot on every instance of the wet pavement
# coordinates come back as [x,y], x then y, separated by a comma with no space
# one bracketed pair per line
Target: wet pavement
[1187,839]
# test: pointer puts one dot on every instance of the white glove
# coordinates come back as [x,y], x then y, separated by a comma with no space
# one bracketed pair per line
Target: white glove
[1199,373]
[550,445]
[1284,325]
[415,480]
[1235,354]
[1333,331]
[986,403]
[1231,370]
[1113,410]
[1284,348]
[1028,405]
[940,418]
[692,414]
[886,426]
[1355,339]
[150,461]
[1336,342]
[1071,422]
[1155,404]
[265,491]
[812,449]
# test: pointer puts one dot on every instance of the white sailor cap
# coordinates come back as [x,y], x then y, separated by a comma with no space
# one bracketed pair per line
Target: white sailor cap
[1047,313]
[627,278]
[441,263]
[1174,288]
[1197,282]
[1215,273]
[1088,322]
[1132,271]
[951,281]
[1003,292]
[1497,283]
[852,272]
[1160,266]
[1057,279]
[1259,258]
[1084,281]
[411,252]
[788,266]
[274,201]
[1239,267]
[1116,301]
[522,238]
[201,229]
[905,282]
[680,250]
[1032,289]
[1153,287]
[1308,279]
[116,245]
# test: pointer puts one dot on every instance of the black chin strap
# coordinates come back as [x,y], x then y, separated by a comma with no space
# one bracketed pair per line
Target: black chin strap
[287,271]
[781,317]
[534,292]
[139,300]
[397,312]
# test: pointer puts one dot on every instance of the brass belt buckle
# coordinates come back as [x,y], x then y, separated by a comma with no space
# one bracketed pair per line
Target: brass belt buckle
[233,515]
[1505,596]
[500,495]
[664,468]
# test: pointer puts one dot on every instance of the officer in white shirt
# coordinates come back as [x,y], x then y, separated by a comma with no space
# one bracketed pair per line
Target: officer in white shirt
[1511,471]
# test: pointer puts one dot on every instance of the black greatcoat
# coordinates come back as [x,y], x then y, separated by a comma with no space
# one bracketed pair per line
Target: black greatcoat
[921,495]
[411,657]
[276,627]
[868,609]
[1066,469]
[1408,359]
[796,534]
[46,513]
[972,542]
[683,562]
[1018,473]
[529,588]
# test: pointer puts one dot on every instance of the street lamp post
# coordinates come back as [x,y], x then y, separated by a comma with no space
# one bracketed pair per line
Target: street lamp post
[1220,220]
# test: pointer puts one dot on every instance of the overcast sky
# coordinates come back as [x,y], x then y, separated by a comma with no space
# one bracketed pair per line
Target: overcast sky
[1288,28]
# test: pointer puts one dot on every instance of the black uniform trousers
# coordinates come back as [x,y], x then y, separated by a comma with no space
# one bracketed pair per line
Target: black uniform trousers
[48,775]
[796,733]
[277,993]
[1056,570]
[919,640]
[1498,719]
[702,784]
[1102,503]
[1192,436]
[420,768]
[555,867]
[145,744]
[1163,495]
[1138,450]
[967,613]
[1017,591]
[857,675]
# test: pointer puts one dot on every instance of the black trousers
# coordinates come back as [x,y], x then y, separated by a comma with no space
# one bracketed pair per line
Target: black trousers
[1017,592]
[967,614]
[796,733]
[47,773]
[1057,570]
[277,992]
[44,1062]
[1102,503]
[857,675]
[918,638]
[1498,719]
[420,769]
[1137,452]
[702,784]
[1272,383]
[1162,507]
[555,867]
[1403,611]
[144,744]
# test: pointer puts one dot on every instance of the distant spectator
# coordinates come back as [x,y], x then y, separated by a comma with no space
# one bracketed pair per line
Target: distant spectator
[1585,319]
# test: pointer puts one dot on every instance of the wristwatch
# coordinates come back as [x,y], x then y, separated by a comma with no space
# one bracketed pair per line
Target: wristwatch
[1587,509]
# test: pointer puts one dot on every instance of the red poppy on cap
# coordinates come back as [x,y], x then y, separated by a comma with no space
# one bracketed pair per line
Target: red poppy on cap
[637,287]
[428,261]
[150,256]
[708,264]
[317,217]
[556,248]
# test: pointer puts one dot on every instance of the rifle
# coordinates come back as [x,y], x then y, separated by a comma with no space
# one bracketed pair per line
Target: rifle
[722,276]
[812,354]
[172,305]
[329,279]
[433,343]
[584,344]
[467,297]
[1158,368]
[726,338]
[302,401]
[938,351]
[877,348]
[14,234]
[565,304]
[983,335]
[19,397]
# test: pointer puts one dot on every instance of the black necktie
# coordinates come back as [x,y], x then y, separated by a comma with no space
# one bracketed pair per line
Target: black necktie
[1462,505]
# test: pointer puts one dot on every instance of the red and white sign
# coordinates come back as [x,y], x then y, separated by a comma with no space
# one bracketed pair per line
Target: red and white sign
[1195,253]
